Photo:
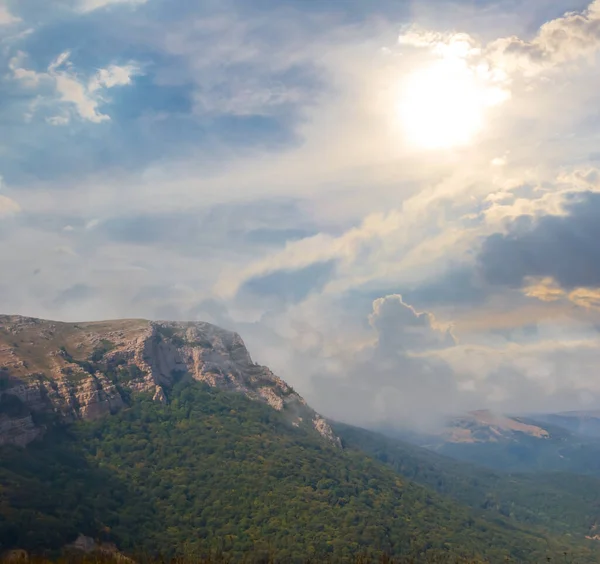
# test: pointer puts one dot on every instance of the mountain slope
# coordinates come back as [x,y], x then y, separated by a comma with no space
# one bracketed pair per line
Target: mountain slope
[214,468]
[560,502]
[166,437]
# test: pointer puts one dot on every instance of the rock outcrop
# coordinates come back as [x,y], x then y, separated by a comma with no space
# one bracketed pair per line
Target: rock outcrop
[103,550]
[81,370]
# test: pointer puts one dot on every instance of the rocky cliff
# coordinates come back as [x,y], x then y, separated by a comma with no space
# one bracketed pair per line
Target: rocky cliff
[86,370]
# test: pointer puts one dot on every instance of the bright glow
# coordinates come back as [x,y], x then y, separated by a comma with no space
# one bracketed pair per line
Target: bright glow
[444,105]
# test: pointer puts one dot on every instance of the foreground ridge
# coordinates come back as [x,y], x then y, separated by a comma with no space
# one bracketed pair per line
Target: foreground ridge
[86,370]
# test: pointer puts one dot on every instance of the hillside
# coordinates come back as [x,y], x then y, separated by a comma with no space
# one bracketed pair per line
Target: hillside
[166,438]
[564,503]
[213,468]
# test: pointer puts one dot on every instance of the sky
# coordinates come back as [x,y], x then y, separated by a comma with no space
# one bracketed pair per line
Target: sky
[395,203]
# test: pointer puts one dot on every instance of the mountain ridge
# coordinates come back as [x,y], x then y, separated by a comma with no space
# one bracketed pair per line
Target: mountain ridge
[85,370]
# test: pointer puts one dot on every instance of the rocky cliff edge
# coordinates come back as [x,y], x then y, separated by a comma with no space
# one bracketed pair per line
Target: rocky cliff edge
[84,370]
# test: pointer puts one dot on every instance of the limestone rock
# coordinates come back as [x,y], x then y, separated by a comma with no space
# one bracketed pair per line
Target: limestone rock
[325,430]
[159,395]
[78,370]
[88,545]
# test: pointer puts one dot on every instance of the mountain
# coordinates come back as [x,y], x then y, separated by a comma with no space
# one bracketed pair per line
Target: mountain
[81,371]
[565,442]
[161,437]
[582,423]
[564,503]
[487,426]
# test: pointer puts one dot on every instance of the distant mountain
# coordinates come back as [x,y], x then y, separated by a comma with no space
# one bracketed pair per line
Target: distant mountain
[166,437]
[564,503]
[486,426]
[564,442]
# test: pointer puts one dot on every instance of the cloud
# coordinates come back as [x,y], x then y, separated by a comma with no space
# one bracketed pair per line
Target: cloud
[394,379]
[564,39]
[552,369]
[401,328]
[547,290]
[113,76]
[562,247]
[290,286]
[91,5]
[65,88]
[254,171]
[6,18]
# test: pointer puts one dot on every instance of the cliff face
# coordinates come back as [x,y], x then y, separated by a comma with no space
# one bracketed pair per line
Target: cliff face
[84,371]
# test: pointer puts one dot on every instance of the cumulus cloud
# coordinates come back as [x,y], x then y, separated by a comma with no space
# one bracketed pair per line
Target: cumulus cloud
[66,88]
[395,379]
[564,39]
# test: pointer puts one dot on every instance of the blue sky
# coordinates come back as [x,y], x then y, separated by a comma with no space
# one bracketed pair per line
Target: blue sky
[395,203]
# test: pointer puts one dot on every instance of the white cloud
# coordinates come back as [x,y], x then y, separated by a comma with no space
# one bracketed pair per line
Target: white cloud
[112,76]
[91,5]
[564,39]
[69,89]
[6,18]
[29,78]
[553,372]
[393,378]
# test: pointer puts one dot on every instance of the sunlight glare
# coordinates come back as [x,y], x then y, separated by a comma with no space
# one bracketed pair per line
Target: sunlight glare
[444,105]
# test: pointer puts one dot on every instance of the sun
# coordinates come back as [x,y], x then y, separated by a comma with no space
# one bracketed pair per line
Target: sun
[444,105]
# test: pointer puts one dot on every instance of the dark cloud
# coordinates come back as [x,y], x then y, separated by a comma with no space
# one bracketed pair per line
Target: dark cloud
[564,247]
